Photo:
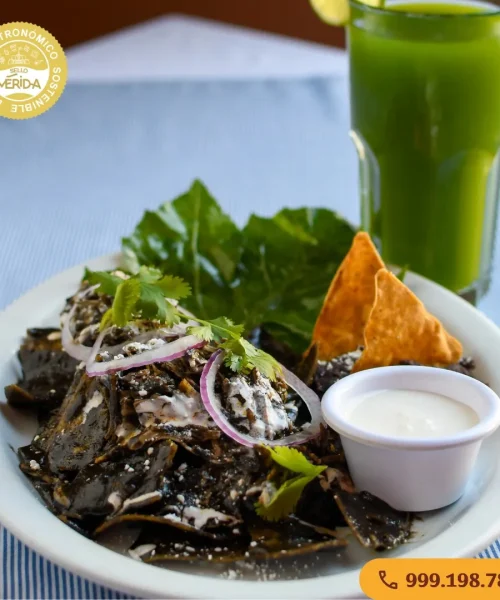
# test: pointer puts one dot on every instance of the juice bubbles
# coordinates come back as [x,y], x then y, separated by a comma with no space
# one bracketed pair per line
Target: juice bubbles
[425,105]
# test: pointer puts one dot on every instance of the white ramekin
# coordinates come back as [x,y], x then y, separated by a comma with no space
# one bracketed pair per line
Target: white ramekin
[416,474]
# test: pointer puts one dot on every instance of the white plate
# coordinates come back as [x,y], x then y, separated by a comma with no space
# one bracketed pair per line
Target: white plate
[460,530]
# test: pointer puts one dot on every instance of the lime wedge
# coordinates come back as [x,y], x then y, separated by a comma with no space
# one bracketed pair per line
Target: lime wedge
[332,12]
[336,12]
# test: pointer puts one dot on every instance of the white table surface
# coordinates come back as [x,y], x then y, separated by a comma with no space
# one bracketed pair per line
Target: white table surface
[180,47]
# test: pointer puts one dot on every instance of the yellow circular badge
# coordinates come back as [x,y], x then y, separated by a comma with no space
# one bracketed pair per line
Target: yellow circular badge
[33,70]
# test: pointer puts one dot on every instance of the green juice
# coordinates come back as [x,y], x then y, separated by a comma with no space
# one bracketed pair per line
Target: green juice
[425,109]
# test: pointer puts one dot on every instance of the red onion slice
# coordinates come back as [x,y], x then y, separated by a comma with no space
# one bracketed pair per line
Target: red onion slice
[75,350]
[166,352]
[213,406]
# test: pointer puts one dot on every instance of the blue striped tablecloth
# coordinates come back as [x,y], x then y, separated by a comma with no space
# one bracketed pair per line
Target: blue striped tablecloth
[81,175]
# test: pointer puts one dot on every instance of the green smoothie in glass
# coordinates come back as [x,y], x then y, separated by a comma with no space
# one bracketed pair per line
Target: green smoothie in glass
[425,109]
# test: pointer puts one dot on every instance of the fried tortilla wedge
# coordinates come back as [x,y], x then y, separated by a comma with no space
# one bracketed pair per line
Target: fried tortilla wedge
[341,322]
[400,328]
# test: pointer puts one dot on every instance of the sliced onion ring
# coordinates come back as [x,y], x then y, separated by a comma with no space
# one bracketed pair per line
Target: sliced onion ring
[78,351]
[212,404]
[164,353]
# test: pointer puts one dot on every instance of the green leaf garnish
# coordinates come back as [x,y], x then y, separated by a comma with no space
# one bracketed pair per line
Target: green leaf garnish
[149,294]
[174,287]
[107,320]
[273,272]
[286,497]
[217,330]
[285,500]
[126,298]
[242,356]
[293,460]
[107,282]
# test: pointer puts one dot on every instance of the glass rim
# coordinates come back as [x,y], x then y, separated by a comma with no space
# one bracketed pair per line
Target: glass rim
[378,10]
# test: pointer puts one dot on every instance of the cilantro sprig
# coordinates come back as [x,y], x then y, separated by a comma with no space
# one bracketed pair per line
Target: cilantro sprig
[149,294]
[241,355]
[298,472]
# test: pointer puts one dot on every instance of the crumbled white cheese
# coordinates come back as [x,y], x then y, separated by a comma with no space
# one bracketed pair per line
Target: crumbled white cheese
[34,465]
[263,401]
[115,500]
[201,516]
[177,410]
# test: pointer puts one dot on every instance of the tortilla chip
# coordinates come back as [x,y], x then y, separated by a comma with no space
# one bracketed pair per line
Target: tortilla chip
[400,328]
[341,322]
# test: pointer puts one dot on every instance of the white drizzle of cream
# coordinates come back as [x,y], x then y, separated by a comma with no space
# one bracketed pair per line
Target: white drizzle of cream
[201,516]
[178,410]
[94,402]
[263,401]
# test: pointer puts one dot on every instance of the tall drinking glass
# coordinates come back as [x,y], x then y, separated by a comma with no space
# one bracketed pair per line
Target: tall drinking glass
[425,106]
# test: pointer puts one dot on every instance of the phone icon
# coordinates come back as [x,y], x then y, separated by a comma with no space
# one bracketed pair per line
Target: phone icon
[383,575]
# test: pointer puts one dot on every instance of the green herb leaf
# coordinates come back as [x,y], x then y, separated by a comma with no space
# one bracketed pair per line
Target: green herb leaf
[107,282]
[203,332]
[107,320]
[154,305]
[126,298]
[223,327]
[193,238]
[284,500]
[293,460]
[241,355]
[289,261]
[274,272]
[174,287]
[149,274]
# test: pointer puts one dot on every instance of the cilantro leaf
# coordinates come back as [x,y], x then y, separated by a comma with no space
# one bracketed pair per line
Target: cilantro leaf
[225,328]
[284,500]
[107,320]
[149,274]
[203,332]
[293,460]
[126,297]
[107,282]
[174,287]
[241,355]
[154,305]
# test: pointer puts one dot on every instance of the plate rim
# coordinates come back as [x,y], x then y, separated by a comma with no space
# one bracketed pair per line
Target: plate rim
[149,581]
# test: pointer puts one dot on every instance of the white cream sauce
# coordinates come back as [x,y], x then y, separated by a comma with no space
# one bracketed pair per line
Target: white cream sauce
[94,402]
[263,401]
[198,517]
[410,414]
[177,410]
